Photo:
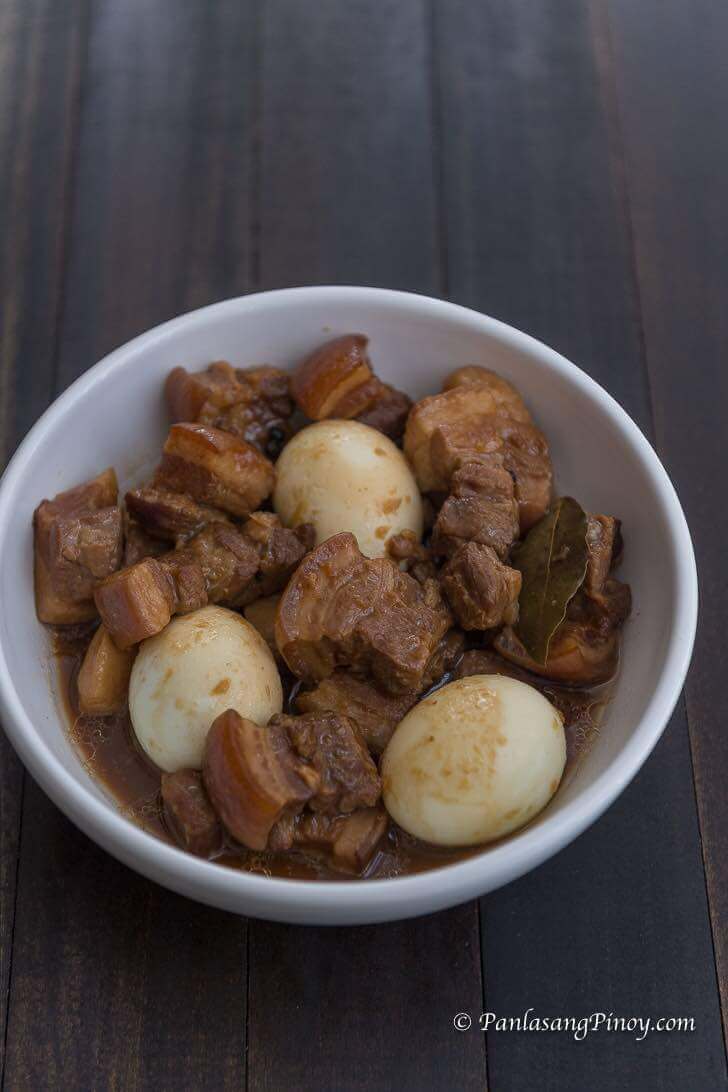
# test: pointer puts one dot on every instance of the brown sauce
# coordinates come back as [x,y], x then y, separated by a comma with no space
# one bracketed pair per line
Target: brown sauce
[110,754]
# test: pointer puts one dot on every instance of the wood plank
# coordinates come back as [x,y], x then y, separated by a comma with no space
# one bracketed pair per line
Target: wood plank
[671,84]
[39,69]
[116,983]
[347,195]
[537,235]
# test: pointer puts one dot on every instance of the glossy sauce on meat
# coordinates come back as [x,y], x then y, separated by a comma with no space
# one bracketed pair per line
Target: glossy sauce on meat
[111,755]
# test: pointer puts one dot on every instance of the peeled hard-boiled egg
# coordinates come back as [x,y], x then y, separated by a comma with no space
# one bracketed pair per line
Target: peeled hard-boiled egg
[200,665]
[345,476]
[474,761]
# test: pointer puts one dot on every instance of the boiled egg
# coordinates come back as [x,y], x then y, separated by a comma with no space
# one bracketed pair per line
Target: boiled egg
[345,476]
[474,761]
[202,664]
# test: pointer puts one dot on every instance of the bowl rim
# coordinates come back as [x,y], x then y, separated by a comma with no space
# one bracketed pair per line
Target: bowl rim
[371,899]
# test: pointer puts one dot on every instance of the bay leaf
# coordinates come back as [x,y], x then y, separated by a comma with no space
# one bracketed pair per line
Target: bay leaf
[552,561]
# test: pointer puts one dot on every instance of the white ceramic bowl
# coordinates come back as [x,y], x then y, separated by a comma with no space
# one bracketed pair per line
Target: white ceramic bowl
[114,415]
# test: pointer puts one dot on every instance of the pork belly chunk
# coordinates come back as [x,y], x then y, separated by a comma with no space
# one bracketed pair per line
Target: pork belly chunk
[413,557]
[254,777]
[346,842]
[215,468]
[262,417]
[138,543]
[375,712]
[227,559]
[253,404]
[189,814]
[387,412]
[261,613]
[187,393]
[103,679]
[507,399]
[337,380]
[220,564]
[473,423]
[174,517]
[78,541]
[465,411]
[341,609]
[280,550]
[136,602]
[481,590]
[481,508]
[332,744]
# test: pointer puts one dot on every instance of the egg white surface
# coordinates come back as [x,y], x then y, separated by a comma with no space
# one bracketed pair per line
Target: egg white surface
[474,761]
[201,664]
[346,476]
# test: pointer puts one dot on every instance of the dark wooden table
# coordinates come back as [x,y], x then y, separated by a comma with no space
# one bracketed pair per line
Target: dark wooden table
[561,165]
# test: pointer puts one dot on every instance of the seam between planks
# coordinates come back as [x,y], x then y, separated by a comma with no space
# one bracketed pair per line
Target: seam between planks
[254,281]
[438,179]
[69,186]
[607,66]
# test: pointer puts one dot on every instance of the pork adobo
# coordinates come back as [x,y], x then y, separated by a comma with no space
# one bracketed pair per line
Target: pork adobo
[368,658]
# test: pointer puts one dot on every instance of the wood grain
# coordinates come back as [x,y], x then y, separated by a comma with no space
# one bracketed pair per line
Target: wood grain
[537,235]
[40,60]
[116,983]
[671,91]
[347,195]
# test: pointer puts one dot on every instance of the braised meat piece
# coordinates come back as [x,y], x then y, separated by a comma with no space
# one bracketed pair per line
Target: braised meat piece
[387,412]
[253,404]
[481,590]
[467,423]
[262,614]
[220,564]
[227,559]
[215,388]
[78,539]
[262,415]
[579,655]
[444,658]
[189,814]
[137,602]
[138,544]
[342,609]
[333,745]
[507,399]
[254,777]
[172,516]
[602,532]
[481,508]
[188,581]
[83,549]
[280,549]
[526,457]
[610,601]
[375,712]
[347,841]
[445,430]
[215,468]
[337,380]
[406,546]
[103,679]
